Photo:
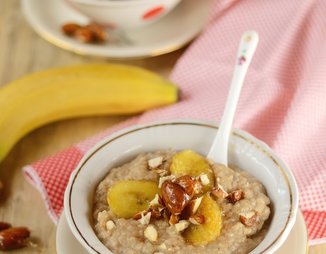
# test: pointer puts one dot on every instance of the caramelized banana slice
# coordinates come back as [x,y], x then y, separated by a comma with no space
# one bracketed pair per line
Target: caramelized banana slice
[188,162]
[128,197]
[201,234]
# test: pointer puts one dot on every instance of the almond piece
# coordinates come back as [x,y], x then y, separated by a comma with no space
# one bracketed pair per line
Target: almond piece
[204,179]
[70,28]
[4,225]
[156,212]
[109,225]
[182,225]
[145,219]
[194,204]
[197,219]
[85,35]
[162,247]
[235,196]
[151,233]
[155,201]
[219,192]
[13,238]
[248,219]
[99,31]
[155,162]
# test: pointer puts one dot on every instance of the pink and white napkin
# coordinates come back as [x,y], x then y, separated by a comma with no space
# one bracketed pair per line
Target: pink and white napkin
[283,101]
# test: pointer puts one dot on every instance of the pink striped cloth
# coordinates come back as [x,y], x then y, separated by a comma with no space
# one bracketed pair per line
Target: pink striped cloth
[282,103]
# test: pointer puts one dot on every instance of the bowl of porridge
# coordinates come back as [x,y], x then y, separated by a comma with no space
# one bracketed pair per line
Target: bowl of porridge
[150,189]
[123,13]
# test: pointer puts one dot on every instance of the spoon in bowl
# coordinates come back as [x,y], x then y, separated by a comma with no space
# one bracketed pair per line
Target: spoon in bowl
[219,150]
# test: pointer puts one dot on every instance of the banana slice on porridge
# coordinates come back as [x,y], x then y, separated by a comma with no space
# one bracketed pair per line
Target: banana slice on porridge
[188,162]
[129,197]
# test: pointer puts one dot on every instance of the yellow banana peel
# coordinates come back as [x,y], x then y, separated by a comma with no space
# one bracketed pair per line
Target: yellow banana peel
[77,91]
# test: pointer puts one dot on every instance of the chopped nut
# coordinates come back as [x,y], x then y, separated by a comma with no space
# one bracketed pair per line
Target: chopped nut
[155,162]
[197,219]
[248,219]
[165,178]
[155,200]
[182,225]
[13,238]
[174,219]
[158,252]
[204,179]
[194,204]
[4,225]
[145,219]
[156,212]
[235,196]
[151,233]
[99,32]
[162,247]
[70,28]
[219,192]
[198,188]
[109,225]
[85,35]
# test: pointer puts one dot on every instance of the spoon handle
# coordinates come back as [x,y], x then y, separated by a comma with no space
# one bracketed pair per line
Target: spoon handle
[247,47]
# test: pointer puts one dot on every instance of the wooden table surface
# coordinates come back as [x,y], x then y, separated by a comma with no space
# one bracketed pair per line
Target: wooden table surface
[22,51]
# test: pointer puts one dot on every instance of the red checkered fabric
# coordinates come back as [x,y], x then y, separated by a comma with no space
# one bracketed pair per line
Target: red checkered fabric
[282,103]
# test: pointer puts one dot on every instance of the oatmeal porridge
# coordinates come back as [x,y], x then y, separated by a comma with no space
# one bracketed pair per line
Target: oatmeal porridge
[179,202]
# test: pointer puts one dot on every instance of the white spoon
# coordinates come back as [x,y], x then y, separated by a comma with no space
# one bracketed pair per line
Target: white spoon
[219,150]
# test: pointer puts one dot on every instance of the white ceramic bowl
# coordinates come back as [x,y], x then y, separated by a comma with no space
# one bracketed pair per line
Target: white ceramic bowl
[123,13]
[245,151]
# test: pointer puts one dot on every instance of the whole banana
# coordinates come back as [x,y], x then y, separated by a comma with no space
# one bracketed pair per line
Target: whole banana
[76,91]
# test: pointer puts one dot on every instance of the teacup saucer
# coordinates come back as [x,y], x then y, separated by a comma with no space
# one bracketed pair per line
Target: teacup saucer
[171,32]
[296,243]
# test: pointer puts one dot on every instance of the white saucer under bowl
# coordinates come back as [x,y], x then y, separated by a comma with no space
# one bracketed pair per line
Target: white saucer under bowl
[296,243]
[170,33]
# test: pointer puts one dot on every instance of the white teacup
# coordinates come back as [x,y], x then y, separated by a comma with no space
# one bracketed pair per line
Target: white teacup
[245,151]
[123,13]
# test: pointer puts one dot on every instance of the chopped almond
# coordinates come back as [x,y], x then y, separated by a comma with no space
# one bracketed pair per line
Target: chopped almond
[162,247]
[248,219]
[155,200]
[145,219]
[151,233]
[194,204]
[219,192]
[235,196]
[197,219]
[182,225]
[155,162]
[204,179]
